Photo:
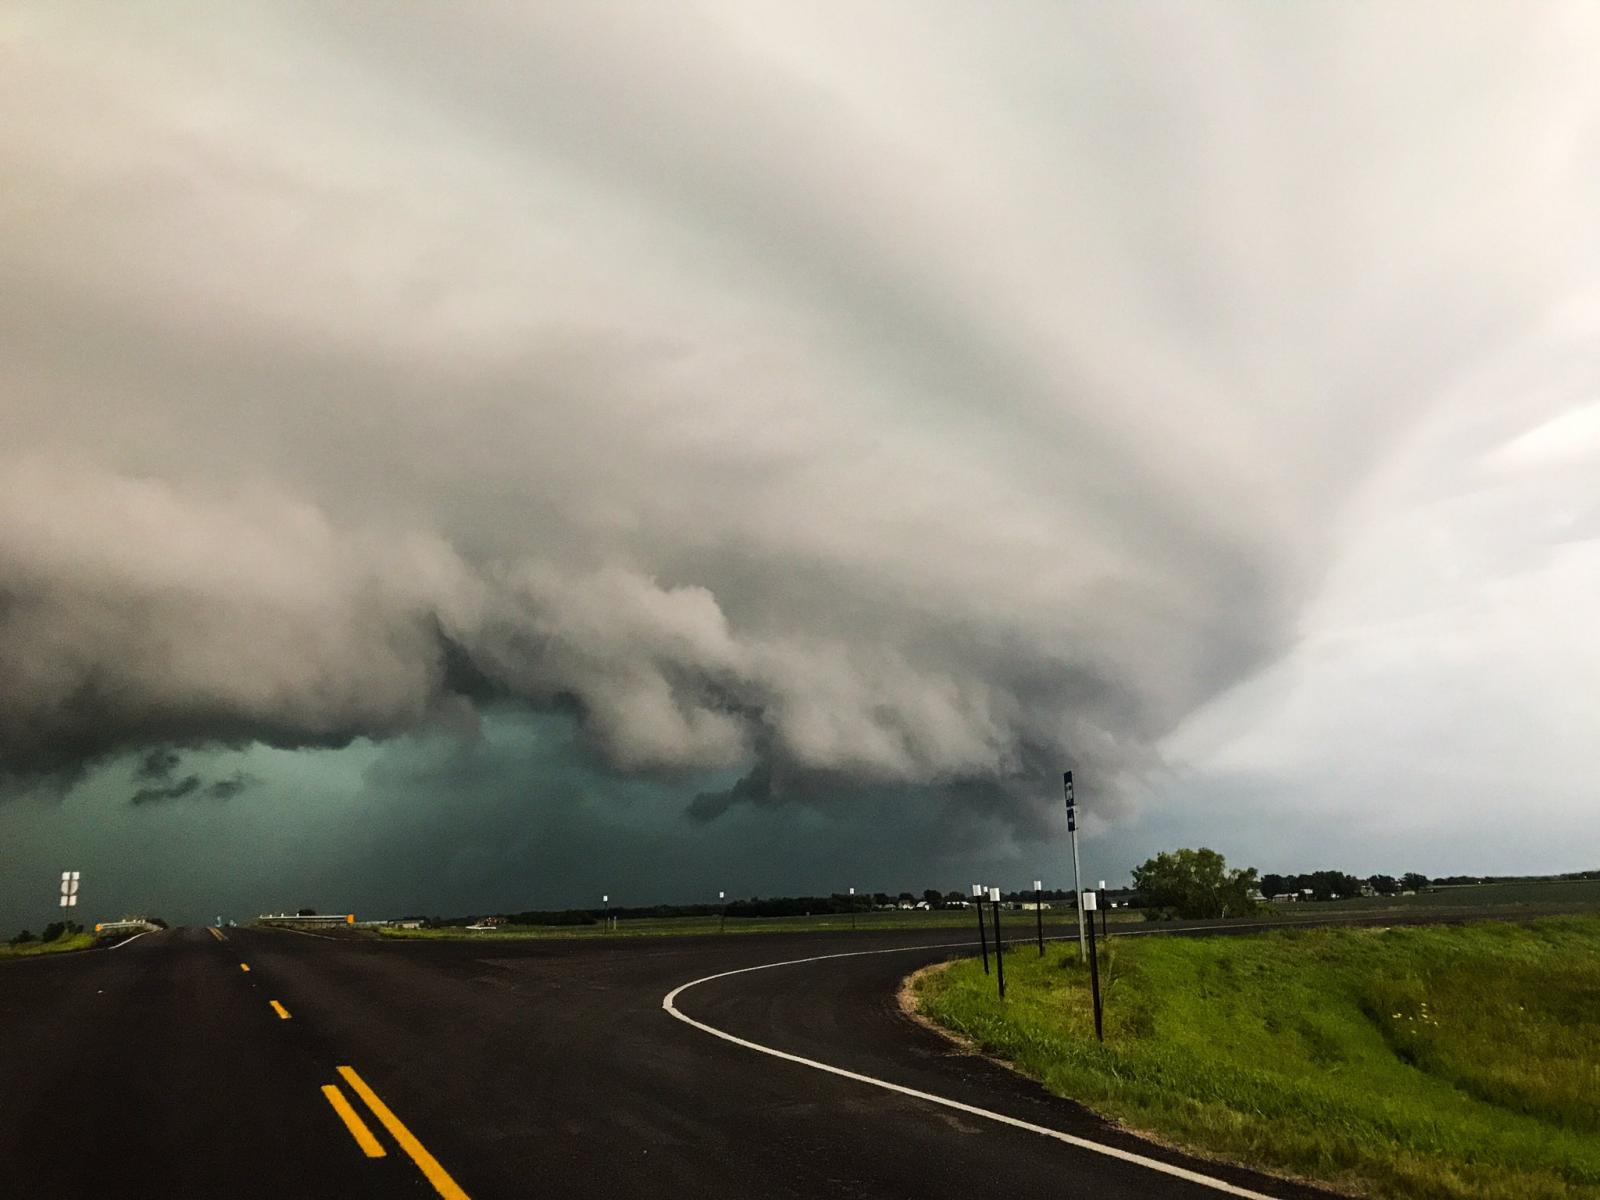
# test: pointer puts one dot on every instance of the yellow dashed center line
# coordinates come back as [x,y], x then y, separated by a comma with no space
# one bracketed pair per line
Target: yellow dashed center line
[426,1163]
[217,933]
[283,1013]
[353,1122]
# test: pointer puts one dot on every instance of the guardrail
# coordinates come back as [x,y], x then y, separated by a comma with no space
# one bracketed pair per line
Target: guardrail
[136,926]
[307,919]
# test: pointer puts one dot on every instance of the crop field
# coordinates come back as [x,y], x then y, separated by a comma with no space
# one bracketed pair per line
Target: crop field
[1422,1062]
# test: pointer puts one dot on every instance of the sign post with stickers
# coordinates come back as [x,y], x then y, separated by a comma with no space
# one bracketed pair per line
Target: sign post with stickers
[1089,901]
[1077,882]
[999,947]
[69,889]
[983,940]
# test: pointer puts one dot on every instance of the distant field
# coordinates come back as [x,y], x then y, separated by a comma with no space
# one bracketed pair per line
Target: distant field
[1012,924]
[1485,900]
[1425,1063]
[1576,895]
[78,941]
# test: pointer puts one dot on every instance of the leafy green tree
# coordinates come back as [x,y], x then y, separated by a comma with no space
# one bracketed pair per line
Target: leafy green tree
[23,938]
[932,896]
[1413,882]
[1193,883]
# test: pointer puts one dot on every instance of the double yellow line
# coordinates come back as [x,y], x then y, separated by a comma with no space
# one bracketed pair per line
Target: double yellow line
[371,1147]
[364,1137]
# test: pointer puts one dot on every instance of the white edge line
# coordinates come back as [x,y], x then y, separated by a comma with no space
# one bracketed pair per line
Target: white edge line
[125,941]
[1127,1156]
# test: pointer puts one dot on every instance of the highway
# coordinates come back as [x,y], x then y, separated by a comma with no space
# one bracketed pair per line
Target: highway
[253,1062]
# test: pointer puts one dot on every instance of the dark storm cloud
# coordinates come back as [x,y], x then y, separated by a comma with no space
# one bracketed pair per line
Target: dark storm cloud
[846,402]
[157,772]
[189,785]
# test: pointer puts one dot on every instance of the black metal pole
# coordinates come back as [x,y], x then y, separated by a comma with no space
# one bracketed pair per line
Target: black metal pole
[1094,981]
[1102,903]
[983,941]
[1038,916]
[999,949]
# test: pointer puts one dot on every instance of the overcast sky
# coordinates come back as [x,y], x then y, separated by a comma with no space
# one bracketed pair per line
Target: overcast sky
[457,457]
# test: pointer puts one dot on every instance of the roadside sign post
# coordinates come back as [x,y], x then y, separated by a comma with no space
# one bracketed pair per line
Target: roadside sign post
[605,907]
[69,895]
[1100,898]
[722,912]
[1088,899]
[1077,882]
[999,948]
[1038,912]
[852,910]
[983,943]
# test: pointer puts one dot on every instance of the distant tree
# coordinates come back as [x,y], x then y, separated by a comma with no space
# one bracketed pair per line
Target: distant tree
[1275,885]
[953,897]
[933,897]
[23,938]
[1412,882]
[907,898]
[880,898]
[1384,885]
[305,912]
[52,931]
[1193,883]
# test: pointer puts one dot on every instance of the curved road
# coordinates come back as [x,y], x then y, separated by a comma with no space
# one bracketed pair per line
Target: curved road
[161,1068]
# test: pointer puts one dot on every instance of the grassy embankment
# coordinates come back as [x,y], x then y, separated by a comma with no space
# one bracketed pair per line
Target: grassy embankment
[1424,1062]
[77,941]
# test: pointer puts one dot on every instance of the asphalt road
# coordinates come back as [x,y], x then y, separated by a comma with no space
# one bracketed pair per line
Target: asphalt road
[162,1069]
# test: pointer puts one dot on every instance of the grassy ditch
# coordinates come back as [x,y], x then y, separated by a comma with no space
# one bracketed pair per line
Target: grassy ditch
[76,941]
[1424,1062]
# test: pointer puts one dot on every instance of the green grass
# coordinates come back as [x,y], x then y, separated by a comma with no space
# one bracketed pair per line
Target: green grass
[78,941]
[1417,1063]
[1012,924]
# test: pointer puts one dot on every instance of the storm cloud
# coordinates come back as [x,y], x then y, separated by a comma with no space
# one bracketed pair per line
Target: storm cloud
[836,398]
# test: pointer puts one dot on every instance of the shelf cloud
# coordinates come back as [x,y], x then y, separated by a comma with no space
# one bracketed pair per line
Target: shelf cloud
[825,398]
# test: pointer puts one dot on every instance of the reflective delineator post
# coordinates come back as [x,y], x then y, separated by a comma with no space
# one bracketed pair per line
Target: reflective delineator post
[605,920]
[1100,898]
[983,942]
[1088,899]
[722,912]
[999,949]
[1038,911]
[852,909]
